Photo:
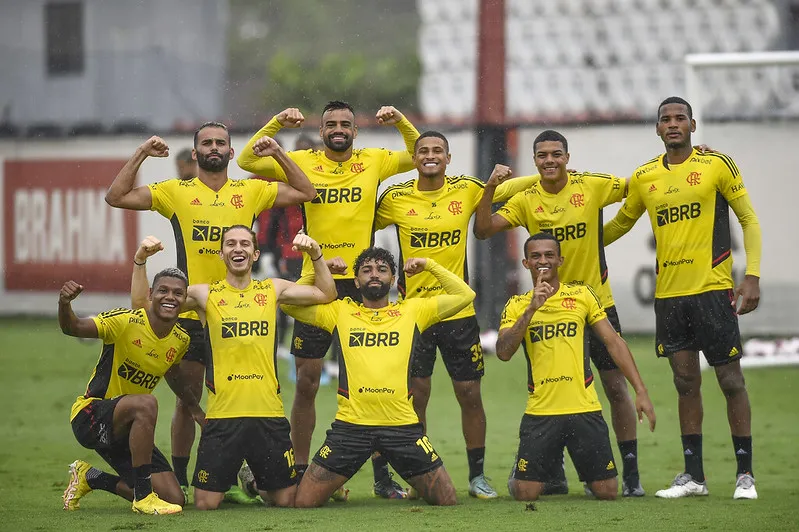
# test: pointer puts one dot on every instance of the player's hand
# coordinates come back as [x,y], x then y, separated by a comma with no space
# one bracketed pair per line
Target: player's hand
[69,291]
[748,292]
[305,244]
[388,115]
[266,147]
[198,416]
[148,247]
[541,292]
[337,266]
[291,117]
[155,147]
[644,408]
[414,265]
[500,174]
[704,148]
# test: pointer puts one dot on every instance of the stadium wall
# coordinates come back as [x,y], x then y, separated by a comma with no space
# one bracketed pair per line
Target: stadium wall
[83,168]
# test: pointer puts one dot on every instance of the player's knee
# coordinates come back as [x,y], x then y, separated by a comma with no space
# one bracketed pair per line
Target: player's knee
[687,384]
[173,495]
[523,493]
[732,383]
[146,408]
[304,500]
[605,490]
[468,394]
[615,386]
[206,503]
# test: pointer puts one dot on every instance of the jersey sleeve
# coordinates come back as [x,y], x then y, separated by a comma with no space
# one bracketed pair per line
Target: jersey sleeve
[426,312]
[513,210]
[111,323]
[266,193]
[510,314]
[389,162]
[163,197]
[322,316]
[607,188]
[383,216]
[513,186]
[595,311]
[263,166]
[633,207]
[729,182]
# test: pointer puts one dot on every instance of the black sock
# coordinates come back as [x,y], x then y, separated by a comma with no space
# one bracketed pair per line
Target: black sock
[692,452]
[629,460]
[300,469]
[100,480]
[743,453]
[380,466]
[476,457]
[143,485]
[181,465]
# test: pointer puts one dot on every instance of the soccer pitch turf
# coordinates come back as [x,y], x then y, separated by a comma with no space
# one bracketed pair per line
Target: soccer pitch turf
[43,372]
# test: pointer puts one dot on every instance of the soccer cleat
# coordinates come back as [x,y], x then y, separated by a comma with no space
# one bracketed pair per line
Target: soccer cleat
[481,489]
[745,487]
[340,495]
[153,505]
[587,489]
[77,486]
[683,486]
[185,490]
[389,489]
[413,495]
[236,495]
[247,481]
[637,491]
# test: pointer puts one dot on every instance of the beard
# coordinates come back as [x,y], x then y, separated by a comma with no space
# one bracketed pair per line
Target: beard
[338,146]
[375,293]
[213,165]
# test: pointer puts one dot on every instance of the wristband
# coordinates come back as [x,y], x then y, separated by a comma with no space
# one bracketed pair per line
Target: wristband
[139,263]
[317,258]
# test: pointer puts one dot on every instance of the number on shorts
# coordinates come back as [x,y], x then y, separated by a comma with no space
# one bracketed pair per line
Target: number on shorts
[425,444]
[477,355]
[289,456]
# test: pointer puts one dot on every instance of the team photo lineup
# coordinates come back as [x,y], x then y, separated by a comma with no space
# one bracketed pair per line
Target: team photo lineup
[210,327]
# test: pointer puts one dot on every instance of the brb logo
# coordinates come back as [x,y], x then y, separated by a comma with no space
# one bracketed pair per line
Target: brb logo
[434,239]
[337,195]
[553,330]
[678,213]
[370,339]
[136,376]
[569,232]
[207,233]
[234,329]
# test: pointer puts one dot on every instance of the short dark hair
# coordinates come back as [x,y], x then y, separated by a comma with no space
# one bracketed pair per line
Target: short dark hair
[540,236]
[431,134]
[336,105]
[239,226]
[378,255]
[677,99]
[552,135]
[212,123]
[170,272]
[185,155]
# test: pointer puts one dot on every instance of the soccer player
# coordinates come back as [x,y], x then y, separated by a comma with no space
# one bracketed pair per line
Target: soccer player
[245,417]
[375,410]
[199,209]
[688,196]
[340,218]
[569,206]
[562,406]
[186,165]
[431,214]
[116,416]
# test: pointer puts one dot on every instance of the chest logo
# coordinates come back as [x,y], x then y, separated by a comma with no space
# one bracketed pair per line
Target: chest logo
[260,299]
[170,354]
[577,200]
[237,201]
[694,178]
[569,303]
[357,168]
[455,207]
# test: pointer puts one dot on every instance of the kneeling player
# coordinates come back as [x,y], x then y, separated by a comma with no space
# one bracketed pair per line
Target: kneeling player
[562,406]
[117,414]
[375,408]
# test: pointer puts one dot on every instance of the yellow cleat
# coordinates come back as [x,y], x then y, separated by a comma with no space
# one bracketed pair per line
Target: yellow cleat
[153,505]
[77,487]
[340,495]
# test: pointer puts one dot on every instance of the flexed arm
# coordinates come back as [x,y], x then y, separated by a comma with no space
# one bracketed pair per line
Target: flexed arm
[121,192]
[249,161]
[389,115]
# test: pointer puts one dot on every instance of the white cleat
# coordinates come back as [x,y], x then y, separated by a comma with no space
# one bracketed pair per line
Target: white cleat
[745,487]
[683,486]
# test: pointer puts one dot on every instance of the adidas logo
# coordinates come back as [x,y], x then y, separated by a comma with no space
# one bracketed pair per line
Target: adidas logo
[653,188]
[688,452]
[318,168]
[411,213]
[741,452]
[196,201]
[539,209]
[222,303]
[137,342]
[733,352]
[630,456]
[611,466]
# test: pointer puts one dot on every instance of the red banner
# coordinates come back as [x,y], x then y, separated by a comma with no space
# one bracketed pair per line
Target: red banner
[58,226]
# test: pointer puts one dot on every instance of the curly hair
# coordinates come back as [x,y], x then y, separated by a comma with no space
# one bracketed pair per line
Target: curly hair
[378,255]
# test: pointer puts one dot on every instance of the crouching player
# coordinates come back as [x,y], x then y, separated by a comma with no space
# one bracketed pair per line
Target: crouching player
[116,416]
[375,406]
[562,407]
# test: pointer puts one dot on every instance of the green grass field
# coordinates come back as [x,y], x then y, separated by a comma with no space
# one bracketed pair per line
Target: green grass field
[43,372]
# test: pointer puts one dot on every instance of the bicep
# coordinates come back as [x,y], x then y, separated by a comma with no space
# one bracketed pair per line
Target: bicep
[85,328]
[606,332]
[138,199]
[287,196]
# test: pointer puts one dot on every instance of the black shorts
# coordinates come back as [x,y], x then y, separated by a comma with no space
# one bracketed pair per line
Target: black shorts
[348,446]
[198,343]
[459,342]
[596,349]
[263,441]
[313,342]
[541,443]
[704,322]
[94,429]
